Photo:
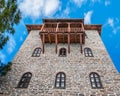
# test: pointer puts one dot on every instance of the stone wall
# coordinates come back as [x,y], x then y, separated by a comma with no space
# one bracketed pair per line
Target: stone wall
[75,65]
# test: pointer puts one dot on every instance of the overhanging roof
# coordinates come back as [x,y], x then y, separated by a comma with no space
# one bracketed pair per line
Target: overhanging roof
[94,27]
[33,27]
[63,20]
[86,27]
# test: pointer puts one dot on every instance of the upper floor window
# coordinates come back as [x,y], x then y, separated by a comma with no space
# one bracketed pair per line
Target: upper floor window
[25,79]
[60,80]
[95,80]
[88,52]
[62,52]
[36,52]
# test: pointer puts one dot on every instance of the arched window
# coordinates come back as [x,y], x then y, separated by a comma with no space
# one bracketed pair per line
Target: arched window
[36,52]
[88,52]
[95,80]
[60,80]
[62,52]
[25,79]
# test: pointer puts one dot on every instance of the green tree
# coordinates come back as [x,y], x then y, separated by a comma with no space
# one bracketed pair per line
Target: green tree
[9,16]
[5,68]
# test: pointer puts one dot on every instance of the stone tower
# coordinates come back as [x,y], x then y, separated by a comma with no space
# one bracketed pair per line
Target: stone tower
[62,57]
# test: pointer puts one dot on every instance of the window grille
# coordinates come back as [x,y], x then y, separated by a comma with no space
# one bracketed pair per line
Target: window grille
[25,80]
[60,80]
[88,52]
[62,52]
[95,80]
[37,52]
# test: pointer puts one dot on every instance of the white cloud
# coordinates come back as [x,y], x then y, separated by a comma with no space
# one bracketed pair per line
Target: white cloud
[24,33]
[11,45]
[107,3]
[2,57]
[110,21]
[87,17]
[113,23]
[116,29]
[36,8]
[79,3]
[117,20]
[31,8]
[51,7]
[93,1]
[21,38]
[65,13]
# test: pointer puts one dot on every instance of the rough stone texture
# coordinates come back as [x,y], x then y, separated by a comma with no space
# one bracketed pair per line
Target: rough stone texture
[76,66]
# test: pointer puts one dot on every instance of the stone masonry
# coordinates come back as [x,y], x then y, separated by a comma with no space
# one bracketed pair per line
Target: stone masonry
[75,65]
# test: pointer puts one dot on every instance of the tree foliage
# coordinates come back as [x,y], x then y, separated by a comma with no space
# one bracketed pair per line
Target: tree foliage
[9,16]
[5,68]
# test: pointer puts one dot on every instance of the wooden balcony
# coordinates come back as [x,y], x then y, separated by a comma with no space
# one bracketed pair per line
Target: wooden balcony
[63,31]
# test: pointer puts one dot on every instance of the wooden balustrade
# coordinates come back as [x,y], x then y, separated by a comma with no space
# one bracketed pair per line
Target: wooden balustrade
[62,30]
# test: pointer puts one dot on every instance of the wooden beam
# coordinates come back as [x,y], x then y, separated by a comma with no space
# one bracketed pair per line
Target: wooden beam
[49,37]
[75,37]
[93,27]
[41,36]
[69,38]
[83,38]
[43,41]
[42,27]
[45,32]
[56,42]
[63,37]
[57,27]
[68,27]
[56,37]
[81,50]
[68,42]
[52,23]
[82,26]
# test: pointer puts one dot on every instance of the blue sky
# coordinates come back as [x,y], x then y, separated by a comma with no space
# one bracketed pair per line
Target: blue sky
[103,12]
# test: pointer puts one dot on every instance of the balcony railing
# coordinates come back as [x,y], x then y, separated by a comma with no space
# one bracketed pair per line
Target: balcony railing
[62,30]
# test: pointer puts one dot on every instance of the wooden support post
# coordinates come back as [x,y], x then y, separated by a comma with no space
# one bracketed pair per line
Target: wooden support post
[68,37]
[81,44]
[68,42]
[75,37]
[82,26]
[57,27]
[49,37]
[43,38]
[83,38]
[56,38]
[56,42]
[63,37]
[68,27]
[43,41]
[42,27]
